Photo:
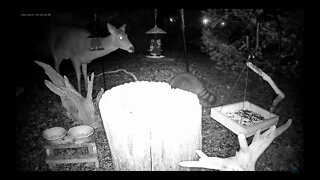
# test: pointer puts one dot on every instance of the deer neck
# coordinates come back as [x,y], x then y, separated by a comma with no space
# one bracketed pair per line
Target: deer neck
[106,43]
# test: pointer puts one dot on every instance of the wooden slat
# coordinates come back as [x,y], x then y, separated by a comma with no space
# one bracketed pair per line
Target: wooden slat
[78,158]
[73,145]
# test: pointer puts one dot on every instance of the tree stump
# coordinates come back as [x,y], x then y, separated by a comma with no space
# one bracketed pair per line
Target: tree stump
[151,127]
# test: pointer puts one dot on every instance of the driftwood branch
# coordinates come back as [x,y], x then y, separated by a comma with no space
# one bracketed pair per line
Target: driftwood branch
[245,159]
[56,78]
[271,82]
[125,71]
[80,109]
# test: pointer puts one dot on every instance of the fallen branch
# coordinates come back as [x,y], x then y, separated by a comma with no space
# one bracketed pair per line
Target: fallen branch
[271,82]
[130,73]
[245,159]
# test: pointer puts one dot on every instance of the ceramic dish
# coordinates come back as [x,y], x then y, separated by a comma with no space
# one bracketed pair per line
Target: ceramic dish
[81,131]
[54,133]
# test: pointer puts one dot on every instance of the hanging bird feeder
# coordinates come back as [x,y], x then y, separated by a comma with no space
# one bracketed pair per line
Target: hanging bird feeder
[245,117]
[155,41]
[95,44]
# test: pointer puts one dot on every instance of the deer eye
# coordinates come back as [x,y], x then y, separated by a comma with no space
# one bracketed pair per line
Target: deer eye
[120,37]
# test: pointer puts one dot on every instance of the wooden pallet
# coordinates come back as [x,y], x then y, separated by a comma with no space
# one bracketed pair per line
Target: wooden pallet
[52,159]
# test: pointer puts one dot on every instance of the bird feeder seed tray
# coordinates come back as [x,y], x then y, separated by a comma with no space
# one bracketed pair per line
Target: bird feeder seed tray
[244,117]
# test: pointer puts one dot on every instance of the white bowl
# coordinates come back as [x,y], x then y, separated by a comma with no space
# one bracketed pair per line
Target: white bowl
[54,133]
[80,131]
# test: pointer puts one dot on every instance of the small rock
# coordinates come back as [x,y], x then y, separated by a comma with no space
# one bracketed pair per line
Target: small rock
[267,169]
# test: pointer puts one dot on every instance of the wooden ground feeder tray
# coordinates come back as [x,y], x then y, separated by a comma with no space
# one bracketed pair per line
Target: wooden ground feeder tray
[244,117]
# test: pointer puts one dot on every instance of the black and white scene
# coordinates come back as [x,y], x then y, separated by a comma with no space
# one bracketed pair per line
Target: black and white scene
[156,89]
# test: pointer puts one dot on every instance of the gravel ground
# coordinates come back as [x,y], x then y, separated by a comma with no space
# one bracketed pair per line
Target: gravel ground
[38,109]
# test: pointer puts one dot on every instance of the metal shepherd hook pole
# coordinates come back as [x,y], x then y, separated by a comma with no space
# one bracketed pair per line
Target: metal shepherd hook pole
[96,34]
[184,40]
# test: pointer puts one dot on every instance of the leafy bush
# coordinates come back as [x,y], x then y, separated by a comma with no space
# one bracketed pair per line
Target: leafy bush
[224,38]
[225,56]
[217,37]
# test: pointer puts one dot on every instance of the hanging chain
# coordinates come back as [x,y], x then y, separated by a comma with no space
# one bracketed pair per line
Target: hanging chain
[95,33]
[228,96]
[250,56]
[155,16]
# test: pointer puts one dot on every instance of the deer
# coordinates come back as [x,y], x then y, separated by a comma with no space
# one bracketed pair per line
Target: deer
[74,44]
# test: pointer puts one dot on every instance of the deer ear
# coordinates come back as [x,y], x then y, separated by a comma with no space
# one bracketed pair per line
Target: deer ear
[123,28]
[111,28]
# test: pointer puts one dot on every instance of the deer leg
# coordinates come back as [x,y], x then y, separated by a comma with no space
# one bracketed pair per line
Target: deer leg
[84,71]
[76,65]
[57,62]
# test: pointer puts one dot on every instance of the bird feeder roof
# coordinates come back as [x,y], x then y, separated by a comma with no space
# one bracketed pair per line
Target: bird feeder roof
[156,30]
